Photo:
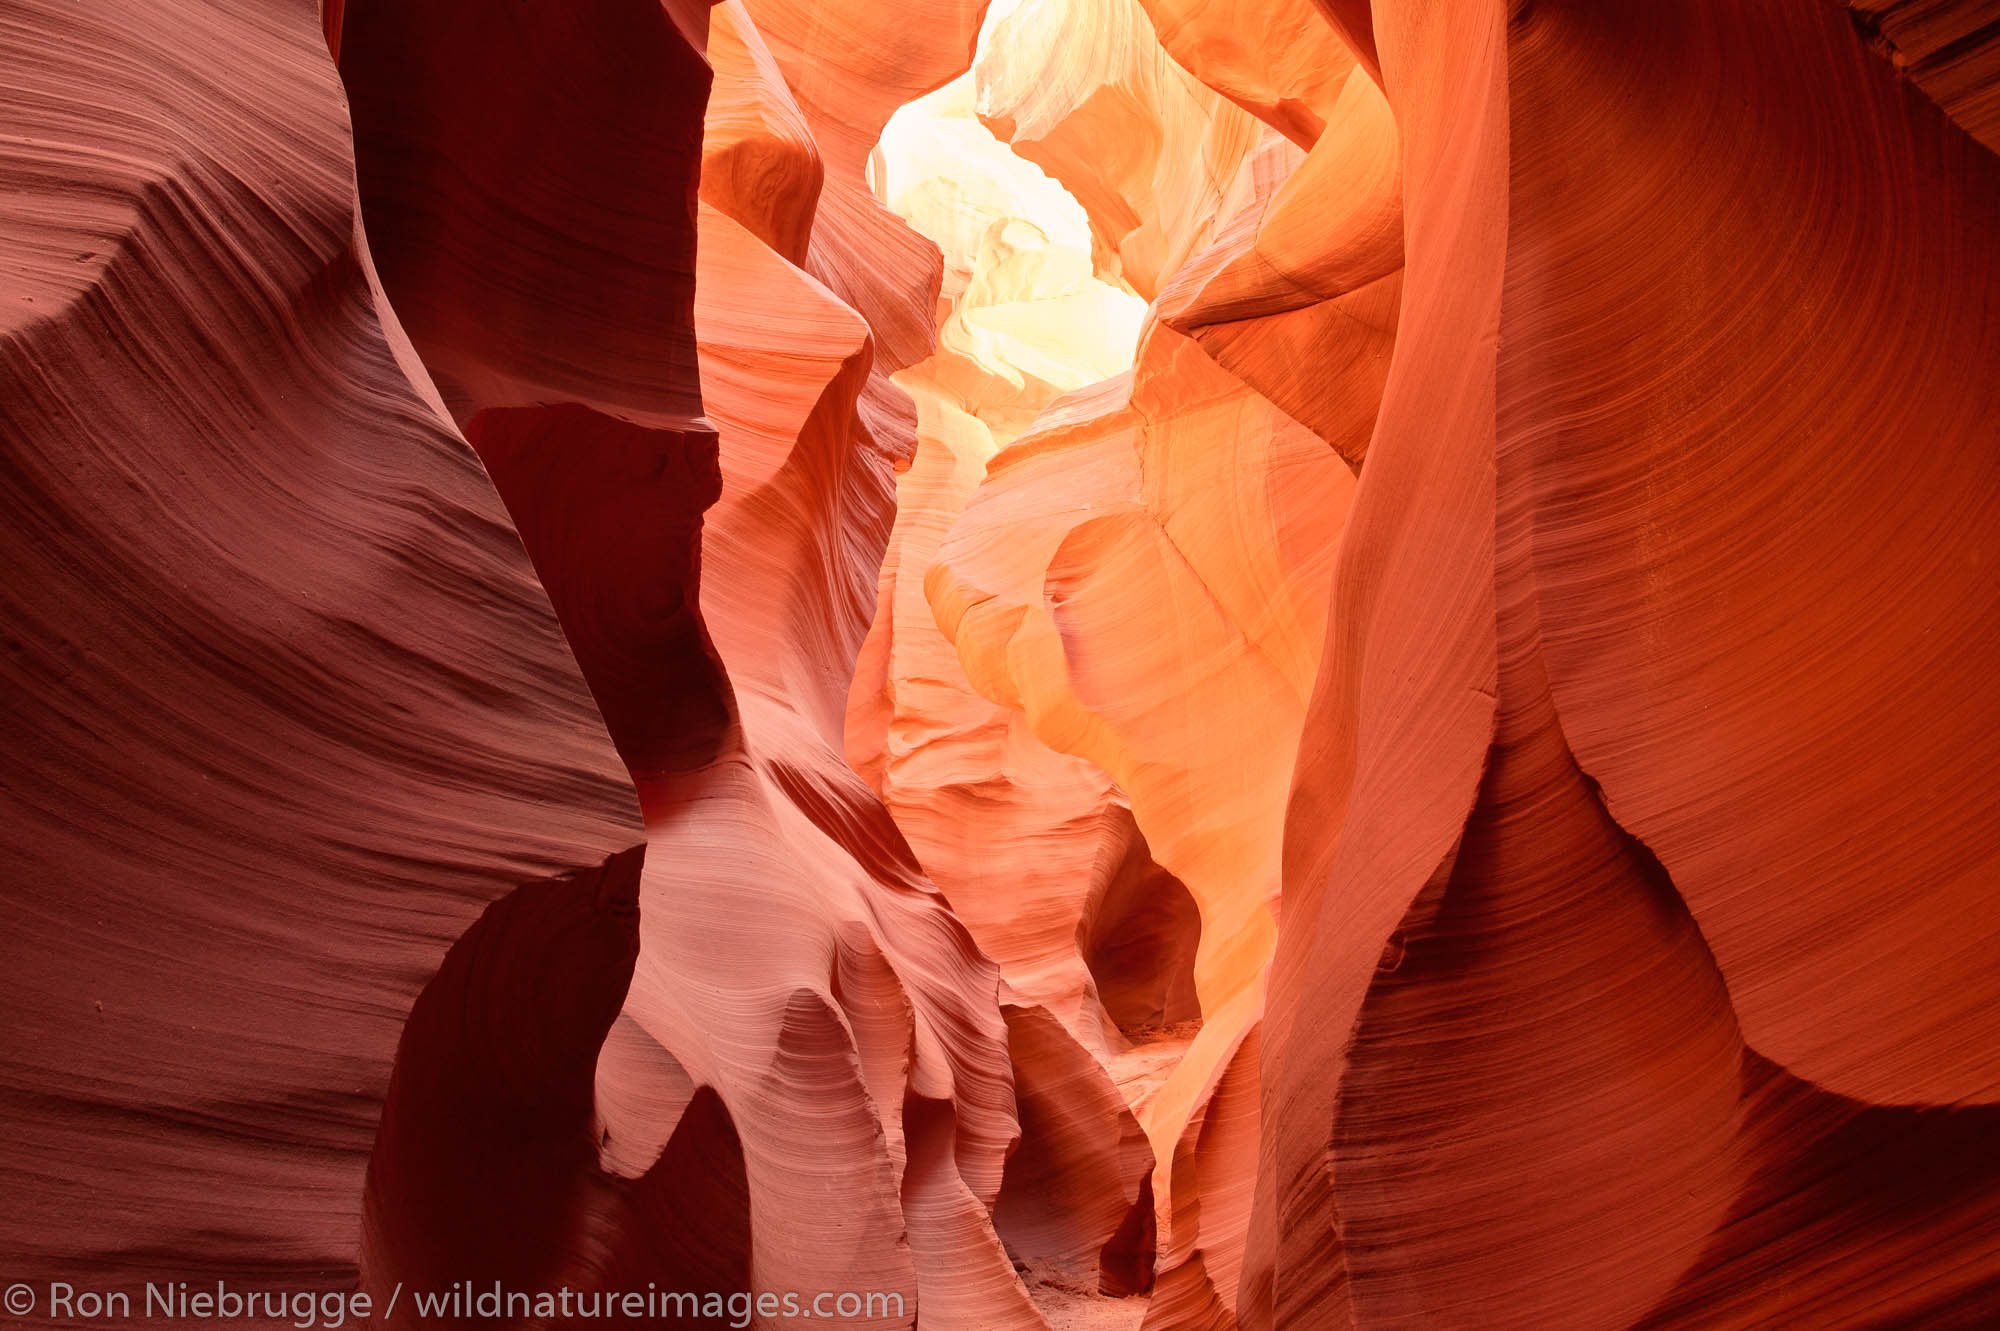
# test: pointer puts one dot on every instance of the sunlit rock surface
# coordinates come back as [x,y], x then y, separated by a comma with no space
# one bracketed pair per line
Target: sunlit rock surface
[1024,319]
[1145,534]
[1281,61]
[1293,286]
[1298,294]
[1165,523]
[807,1014]
[1084,89]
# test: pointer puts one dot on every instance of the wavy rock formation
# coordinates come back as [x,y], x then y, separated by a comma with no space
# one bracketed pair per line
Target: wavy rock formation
[286,711]
[1637,668]
[1116,663]
[1139,537]
[1948,48]
[1280,62]
[1168,525]
[575,379]
[794,966]
[1129,506]
[1299,293]
[1058,887]
[1085,91]
[1054,831]
[1180,526]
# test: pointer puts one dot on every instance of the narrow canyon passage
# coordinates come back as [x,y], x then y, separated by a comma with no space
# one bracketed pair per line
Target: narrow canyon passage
[1047,665]
[1103,598]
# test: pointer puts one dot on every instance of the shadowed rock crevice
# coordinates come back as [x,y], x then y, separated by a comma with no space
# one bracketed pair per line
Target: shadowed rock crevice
[485,1161]
[1139,938]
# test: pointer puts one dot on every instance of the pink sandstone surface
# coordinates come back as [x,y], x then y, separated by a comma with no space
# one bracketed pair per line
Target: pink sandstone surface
[1077,663]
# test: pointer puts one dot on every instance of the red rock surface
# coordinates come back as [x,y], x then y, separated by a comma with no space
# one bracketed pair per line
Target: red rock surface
[794,961]
[285,708]
[1120,662]
[1948,48]
[1652,623]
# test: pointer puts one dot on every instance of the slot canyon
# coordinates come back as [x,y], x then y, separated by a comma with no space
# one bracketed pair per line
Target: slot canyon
[1047,665]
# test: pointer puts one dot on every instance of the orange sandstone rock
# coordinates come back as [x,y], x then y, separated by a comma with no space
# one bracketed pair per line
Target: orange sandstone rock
[1135,539]
[1559,723]
[1299,294]
[1430,777]
[759,161]
[1025,319]
[1283,63]
[795,970]
[1086,92]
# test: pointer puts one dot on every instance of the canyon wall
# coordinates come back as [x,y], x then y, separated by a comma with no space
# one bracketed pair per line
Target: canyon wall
[807,1015]
[1598,756]
[287,713]
[1302,665]
[1638,851]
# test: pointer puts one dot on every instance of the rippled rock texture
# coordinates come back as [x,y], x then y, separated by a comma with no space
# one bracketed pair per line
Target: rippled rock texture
[1641,850]
[287,713]
[1091,663]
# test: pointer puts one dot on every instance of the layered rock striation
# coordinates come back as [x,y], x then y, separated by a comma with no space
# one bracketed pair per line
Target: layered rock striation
[288,714]
[1113,663]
